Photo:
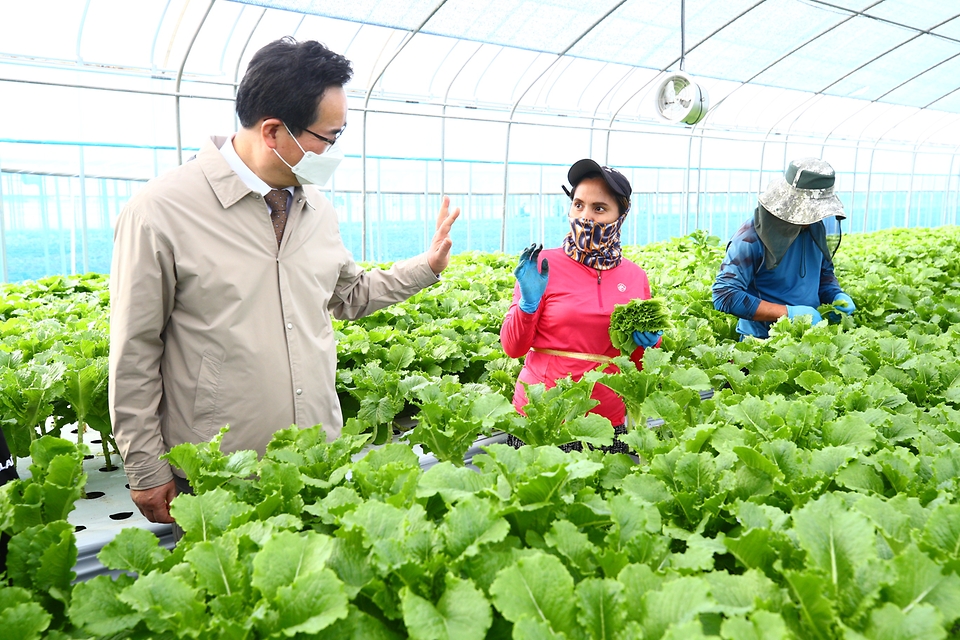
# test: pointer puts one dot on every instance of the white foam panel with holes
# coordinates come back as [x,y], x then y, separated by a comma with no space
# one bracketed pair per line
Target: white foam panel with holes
[105,511]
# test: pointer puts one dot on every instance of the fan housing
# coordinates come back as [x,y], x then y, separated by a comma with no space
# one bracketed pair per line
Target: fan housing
[680,99]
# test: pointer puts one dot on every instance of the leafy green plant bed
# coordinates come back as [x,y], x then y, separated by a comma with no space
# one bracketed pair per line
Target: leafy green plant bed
[54,345]
[813,495]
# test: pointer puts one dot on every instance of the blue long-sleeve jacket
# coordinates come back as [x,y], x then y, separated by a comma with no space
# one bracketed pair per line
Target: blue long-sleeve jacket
[803,277]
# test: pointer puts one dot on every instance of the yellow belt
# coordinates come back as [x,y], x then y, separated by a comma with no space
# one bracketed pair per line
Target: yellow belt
[592,357]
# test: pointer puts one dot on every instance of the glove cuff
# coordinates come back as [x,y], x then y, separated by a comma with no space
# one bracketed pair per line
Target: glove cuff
[528,307]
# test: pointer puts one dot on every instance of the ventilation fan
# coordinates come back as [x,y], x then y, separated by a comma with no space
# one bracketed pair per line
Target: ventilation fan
[680,99]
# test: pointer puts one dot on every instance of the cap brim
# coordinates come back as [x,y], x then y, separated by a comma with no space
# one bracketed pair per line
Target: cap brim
[581,168]
[585,167]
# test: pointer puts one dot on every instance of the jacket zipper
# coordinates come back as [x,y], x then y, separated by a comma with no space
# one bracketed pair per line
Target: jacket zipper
[803,254]
[599,297]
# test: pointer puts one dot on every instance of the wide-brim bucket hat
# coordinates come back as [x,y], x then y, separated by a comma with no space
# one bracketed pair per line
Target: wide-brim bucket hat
[804,194]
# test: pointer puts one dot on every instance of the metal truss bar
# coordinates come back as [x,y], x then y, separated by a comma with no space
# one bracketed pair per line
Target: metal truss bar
[506,156]
[443,119]
[863,13]
[183,64]
[366,103]
[93,87]
[647,84]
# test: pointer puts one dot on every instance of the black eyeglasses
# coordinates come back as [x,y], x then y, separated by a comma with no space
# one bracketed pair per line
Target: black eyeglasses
[336,136]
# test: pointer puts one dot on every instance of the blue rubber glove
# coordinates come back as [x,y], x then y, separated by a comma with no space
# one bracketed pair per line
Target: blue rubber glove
[803,310]
[844,303]
[532,282]
[647,339]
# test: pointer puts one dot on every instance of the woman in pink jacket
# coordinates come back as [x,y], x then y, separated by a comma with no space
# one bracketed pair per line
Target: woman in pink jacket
[560,316]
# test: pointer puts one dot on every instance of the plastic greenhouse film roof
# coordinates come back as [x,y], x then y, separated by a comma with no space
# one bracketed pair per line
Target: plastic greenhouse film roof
[776,65]
[887,49]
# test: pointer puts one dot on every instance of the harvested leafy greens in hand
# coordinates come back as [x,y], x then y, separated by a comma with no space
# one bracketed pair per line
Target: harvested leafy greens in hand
[636,315]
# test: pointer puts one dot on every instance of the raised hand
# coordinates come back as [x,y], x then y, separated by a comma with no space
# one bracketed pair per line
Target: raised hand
[439,252]
[533,281]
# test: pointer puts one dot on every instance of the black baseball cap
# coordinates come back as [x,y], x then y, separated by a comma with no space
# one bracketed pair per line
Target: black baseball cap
[617,182]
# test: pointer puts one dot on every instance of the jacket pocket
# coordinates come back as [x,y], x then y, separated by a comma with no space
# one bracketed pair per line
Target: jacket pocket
[205,406]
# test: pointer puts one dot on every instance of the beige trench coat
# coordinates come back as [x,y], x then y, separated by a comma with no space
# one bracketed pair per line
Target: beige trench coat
[211,324]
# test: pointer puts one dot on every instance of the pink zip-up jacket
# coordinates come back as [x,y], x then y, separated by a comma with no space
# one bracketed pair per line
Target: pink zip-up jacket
[574,315]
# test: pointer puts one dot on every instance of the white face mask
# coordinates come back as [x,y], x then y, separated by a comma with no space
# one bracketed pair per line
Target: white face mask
[315,169]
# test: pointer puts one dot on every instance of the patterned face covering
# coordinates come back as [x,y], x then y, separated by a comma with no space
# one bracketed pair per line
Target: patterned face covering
[594,244]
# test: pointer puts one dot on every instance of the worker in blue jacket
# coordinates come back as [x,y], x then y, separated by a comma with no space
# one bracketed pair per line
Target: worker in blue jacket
[780,263]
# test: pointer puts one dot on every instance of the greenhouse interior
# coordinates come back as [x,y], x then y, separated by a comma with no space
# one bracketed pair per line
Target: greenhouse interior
[725,462]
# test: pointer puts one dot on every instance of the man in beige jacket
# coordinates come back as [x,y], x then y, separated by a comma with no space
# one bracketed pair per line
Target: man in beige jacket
[227,270]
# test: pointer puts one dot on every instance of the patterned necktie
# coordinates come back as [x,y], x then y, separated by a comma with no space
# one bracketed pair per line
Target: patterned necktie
[277,199]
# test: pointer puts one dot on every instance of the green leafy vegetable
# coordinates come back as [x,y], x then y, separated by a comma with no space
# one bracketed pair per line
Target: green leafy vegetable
[637,315]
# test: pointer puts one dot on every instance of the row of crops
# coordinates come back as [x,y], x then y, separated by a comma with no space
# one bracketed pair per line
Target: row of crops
[814,495]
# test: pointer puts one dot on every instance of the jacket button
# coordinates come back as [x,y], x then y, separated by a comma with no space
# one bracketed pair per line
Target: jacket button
[299,391]
[289,325]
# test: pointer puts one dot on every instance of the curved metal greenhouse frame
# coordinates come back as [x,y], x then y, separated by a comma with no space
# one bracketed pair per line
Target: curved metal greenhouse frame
[487,100]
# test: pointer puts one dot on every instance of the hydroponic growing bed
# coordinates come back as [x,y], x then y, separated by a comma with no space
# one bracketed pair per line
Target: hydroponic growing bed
[814,494]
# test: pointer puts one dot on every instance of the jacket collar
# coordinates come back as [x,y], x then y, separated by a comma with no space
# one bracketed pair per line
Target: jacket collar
[229,187]
[225,183]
